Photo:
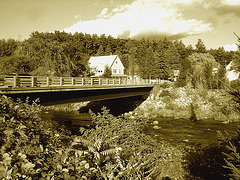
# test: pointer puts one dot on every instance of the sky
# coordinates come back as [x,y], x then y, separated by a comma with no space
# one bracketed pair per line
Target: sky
[212,21]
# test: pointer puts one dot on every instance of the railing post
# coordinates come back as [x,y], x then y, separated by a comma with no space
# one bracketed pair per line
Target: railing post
[113,81]
[92,82]
[99,83]
[15,81]
[47,81]
[73,81]
[106,81]
[32,81]
[61,81]
[83,81]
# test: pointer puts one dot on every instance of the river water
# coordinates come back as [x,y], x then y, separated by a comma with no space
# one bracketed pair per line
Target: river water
[174,131]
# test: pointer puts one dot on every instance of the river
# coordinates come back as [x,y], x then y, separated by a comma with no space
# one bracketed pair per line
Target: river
[174,131]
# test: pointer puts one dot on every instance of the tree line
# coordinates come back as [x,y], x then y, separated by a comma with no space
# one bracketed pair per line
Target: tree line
[63,54]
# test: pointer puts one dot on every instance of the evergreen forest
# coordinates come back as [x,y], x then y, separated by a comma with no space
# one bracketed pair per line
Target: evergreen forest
[63,54]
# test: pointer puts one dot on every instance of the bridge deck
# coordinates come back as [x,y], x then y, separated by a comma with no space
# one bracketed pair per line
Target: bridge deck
[71,95]
[49,82]
[61,90]
[69,88]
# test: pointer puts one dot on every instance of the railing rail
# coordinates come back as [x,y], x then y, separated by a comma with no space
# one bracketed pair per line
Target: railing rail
[7,81]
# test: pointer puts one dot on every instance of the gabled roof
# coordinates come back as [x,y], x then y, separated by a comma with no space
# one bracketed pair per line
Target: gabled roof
[103,61]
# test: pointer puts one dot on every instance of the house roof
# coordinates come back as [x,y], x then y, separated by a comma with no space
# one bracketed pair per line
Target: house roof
[103,61]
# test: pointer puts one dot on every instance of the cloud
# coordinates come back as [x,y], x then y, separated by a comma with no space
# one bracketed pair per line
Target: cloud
[104,13]
[228,10]
[231,2]
[230,47]
[228,7]
[151,19]
[77,16]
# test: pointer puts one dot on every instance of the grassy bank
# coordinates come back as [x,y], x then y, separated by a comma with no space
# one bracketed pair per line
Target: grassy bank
[170,101]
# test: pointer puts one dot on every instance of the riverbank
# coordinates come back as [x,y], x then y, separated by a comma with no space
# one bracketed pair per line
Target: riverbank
[186,103]
[168,101]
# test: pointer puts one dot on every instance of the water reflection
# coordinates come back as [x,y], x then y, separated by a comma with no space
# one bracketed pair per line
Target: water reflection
[116,106]
[174,131]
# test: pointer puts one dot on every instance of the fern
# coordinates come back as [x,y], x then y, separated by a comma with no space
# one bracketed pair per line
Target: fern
[233,158]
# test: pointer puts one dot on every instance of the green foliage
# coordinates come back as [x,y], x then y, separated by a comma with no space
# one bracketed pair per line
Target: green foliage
[100,51]
[220,160]
[8,47]
[140,156]
[201,71]
[235,84]
[206,162]
[232,156]
[63,54]
[28,144]
[236,61]
[235,93]
[32,148]
[107,72]
[200,47]
[238,39]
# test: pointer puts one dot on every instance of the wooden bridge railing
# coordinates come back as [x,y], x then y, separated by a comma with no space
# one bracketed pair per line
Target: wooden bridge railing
[41,81]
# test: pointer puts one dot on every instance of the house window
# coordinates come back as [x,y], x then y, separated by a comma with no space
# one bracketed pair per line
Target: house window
[114,71]
[120,71]
[116,62]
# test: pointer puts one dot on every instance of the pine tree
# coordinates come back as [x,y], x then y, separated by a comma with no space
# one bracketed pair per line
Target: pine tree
[107,72]
[100,51]
[200,47]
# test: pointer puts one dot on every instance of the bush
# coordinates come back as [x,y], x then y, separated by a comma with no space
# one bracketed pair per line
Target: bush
[140,156]
[32,148]
[235,84]
[28,144]
[206,163]
[232,156]
[220,160]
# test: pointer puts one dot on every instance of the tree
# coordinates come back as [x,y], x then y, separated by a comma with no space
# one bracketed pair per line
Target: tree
[238,44]
[100,51]
[200,47]
[236,61]
[201,70]
[107,72]
[8,47]
[108,50]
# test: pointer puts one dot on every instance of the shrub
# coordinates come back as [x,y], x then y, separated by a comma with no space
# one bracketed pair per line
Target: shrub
[206,163]
[32,148]
[165,85]
[28,144]
[235,84]
[139,156]
[232,156]
[220,160]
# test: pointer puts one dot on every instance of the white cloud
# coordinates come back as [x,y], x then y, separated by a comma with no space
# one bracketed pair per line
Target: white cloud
[103,13]
[231,47]
[208,5]
[77,16]
[151,18]
[231,2]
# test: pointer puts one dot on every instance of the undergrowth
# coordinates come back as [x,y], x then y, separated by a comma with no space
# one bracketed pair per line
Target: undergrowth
[117,148]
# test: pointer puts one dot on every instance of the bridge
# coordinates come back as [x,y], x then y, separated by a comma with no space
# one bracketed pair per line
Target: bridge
[62,90]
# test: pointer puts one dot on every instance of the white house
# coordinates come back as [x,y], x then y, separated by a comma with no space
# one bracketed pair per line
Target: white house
[98,64]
